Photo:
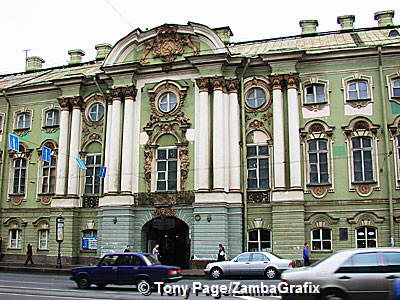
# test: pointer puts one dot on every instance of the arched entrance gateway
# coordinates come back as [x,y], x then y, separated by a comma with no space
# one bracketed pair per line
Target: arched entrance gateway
[172,234]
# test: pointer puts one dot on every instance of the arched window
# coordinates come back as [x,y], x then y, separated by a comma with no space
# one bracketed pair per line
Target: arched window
[258,161]
[259,240]
[93,165]
[321,239]
[15,238]
[19,178]
[167,168]
[48,172]
[366,237]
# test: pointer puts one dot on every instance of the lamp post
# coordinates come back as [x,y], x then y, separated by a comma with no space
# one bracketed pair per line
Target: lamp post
[59,238]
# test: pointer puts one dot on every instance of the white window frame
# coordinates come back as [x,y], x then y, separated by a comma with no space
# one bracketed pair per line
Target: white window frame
[96,171]
[53,121]
[50,179]
[17,242]
[166,179]
[357,90]
[43,244]
[26,122]
[393,87]
[95,106]
[20,182]
[366,237]
[257,169]
[321,240]
[318,152]
[363,150]
[167,96]
[314,94]
[253,90]
[259,241]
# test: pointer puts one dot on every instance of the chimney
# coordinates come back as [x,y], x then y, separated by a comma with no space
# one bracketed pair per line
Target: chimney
[224,33]
[384,18]
[102,51]
[308,26]
[75,56]
[34,63]
[346,22]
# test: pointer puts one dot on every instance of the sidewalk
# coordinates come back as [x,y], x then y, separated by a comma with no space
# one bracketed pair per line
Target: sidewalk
[52,269]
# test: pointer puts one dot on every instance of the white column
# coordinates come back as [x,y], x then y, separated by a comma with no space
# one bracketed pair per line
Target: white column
[73,171]
[279,138]
[203,135]
[108,146]
[294,136]
[218,134]
[234,136]
[115,149]
[61,182]
[227,166]
[127,143]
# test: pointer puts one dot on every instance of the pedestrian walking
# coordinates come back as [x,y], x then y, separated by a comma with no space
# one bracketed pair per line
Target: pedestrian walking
[155,251]
[29,254]
[127,249]
[306,255]
[221,253]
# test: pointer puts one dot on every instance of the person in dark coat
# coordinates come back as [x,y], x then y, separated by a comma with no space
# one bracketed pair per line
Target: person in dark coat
[221,253]
[127,249]
[29,254]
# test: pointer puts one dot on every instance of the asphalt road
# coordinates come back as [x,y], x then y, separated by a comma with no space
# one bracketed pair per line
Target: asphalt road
[15,286]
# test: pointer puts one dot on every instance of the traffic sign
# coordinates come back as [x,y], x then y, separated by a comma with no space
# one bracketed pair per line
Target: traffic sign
[103,171]
[46,151]
[13,142]
[81,164]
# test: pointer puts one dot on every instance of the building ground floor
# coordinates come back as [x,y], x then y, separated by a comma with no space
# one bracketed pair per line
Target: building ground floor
[188,235]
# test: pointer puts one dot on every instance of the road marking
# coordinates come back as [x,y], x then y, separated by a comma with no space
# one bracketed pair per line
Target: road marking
[46,296]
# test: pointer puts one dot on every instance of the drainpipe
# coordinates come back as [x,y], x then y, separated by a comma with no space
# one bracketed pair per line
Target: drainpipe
[244,152]
[5,135]
[103,146]
[387,148]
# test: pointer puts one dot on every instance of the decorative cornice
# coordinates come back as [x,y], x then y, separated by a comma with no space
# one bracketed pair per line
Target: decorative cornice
[365,215]
[313,219]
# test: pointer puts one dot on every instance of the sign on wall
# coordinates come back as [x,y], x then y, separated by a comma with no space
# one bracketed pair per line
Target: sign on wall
[89,243]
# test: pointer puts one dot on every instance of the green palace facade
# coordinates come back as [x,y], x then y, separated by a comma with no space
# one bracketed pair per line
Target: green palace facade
[257,145]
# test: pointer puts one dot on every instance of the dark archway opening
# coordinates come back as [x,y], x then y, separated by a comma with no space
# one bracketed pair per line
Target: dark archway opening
[172,234]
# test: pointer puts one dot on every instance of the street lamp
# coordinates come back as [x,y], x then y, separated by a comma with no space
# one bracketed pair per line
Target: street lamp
[59,237]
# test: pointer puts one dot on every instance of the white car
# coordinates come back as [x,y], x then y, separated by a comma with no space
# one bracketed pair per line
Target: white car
[250,264]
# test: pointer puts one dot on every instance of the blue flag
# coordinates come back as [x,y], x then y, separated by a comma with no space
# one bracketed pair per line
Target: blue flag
[13,142]
[46,151]
[81,164]
[103,171]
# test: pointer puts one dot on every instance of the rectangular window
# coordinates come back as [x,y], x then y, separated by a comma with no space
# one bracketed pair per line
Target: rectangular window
[52,118]
[362,159]
[321,239]
[396,88]
[257,167]
[92,179]
[49,176]
[15,239]
[358,90]
[19,176]
[315,93]
[366,237]
[23,121]
[1,123]
[318,161]
[43,239]
[167,169]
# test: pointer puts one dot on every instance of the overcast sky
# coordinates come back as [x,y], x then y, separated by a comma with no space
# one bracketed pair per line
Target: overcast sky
[49,28]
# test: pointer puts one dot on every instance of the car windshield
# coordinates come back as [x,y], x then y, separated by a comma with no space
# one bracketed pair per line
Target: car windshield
[151,258]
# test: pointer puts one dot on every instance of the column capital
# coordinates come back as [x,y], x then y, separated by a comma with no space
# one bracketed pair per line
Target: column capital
[292,81]
[276,81]
[130,92]
[76,102]
[232,85]
[116,94]
[217,83]
[64,103]
[203,84]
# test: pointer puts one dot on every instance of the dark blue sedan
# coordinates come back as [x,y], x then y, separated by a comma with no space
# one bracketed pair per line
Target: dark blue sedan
[141,269]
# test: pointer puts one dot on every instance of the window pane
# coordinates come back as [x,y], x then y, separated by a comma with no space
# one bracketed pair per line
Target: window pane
[161,185]
[366,142]
[326,234]
[264,183]
[252,183]
[266,246]
[161,175]
[252,163]
[353,95]
[263,173]
[253,247]
[262,150]
[313,157]
[252,174]
[264,163]
[322,145]
[162,154]
[172,175]
[244,257]
[172,185]
[265,235]
[371,233]
[365,259]
[326,245]
[316,245]
[316,234]
[253,235]
[320,93]
[312,145]
[172,153]
[161,166]
[356,142]
[392,258]
[251,151]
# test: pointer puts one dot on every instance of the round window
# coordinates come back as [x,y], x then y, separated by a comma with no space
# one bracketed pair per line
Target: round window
[255,98]
[167,102]
[96,112]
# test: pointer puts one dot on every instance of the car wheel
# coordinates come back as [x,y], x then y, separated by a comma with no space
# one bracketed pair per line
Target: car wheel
[101,285]
[271,273]
[144,286]
[333,295]
[215,273]
[83,282]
